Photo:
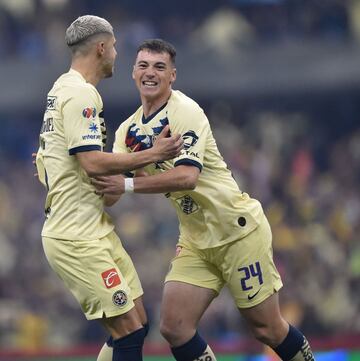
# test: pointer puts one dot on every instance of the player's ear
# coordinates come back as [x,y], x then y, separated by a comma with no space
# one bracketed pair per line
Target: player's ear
[173,76]
[133,72]
[100,47]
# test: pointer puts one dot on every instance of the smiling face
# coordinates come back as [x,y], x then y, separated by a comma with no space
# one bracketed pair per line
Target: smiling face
[154,74]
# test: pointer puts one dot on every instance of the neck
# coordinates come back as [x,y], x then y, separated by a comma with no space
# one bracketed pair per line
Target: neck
[151,105]
[88,68]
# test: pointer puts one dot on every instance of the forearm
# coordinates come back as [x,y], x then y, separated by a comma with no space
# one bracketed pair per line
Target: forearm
[101,163]
[170,181]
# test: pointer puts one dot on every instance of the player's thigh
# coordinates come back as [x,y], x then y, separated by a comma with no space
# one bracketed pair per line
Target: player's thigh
[190,286]
[248,267]
[125,263]
[90,273]
[263,314]
[140,309]
[124,324]
[184,304]
[265,321]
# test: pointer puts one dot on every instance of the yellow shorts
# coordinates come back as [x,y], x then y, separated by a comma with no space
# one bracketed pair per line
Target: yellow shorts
[99,273]
[246,266]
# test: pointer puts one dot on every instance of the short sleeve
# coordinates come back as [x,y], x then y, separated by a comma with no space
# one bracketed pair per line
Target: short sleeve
[194,127]
[119,145]
[81,122]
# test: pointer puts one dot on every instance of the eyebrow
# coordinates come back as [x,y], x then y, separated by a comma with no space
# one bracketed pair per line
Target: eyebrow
[146,62]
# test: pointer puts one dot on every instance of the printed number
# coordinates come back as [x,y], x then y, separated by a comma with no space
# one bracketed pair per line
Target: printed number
[251,271]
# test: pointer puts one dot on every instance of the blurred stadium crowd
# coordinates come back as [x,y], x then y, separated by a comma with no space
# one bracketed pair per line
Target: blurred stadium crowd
[300,158]
[31,28]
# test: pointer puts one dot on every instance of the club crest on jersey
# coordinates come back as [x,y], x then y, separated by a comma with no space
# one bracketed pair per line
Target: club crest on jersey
[120,298]
[111,278]
[187,204]
[89,113]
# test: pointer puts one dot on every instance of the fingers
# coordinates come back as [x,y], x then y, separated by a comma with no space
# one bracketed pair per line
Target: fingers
[99,178]
[97,183]
[165,132]
[178,145]
[177,137]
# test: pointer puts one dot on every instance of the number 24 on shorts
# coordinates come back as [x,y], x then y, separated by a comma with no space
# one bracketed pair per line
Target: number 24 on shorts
[253,270]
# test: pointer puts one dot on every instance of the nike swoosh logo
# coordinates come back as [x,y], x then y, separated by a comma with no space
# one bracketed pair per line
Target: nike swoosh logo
[250,297]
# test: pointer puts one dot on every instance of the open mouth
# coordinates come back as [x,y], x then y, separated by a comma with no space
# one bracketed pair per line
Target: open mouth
[149,83]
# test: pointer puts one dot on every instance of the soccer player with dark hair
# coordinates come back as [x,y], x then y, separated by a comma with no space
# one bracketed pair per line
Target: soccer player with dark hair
[225,238]
[78,236]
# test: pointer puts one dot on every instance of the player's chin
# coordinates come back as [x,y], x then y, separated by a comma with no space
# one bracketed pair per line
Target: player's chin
[149,91]
[108,72]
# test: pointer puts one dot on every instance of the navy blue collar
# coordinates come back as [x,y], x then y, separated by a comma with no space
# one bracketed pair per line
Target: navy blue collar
[147,120]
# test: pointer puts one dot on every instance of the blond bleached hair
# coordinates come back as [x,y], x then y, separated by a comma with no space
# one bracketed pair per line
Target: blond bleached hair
[84,27]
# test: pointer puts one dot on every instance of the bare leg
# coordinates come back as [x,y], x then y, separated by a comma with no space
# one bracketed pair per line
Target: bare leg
[269,327]
[266,322]
[106,353]
[182,307]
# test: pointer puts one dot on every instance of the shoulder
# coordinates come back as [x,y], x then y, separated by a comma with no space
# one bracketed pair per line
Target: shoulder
[184,109]
[180,101]
[72,88]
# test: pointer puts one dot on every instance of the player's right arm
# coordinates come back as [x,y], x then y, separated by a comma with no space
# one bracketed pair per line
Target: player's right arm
[83,136]
[97,163]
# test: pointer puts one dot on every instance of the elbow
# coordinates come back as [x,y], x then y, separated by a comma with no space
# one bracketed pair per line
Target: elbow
[92,162]
[189,183]
[93,169]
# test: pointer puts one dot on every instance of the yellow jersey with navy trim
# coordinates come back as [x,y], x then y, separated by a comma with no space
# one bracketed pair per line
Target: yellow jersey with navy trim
[216,212]
[73,122]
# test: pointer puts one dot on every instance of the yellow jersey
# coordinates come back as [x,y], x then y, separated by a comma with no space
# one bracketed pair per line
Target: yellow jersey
[216,212]
[72,123]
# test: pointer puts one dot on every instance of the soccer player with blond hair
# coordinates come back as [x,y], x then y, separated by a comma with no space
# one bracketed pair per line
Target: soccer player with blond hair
[78,236]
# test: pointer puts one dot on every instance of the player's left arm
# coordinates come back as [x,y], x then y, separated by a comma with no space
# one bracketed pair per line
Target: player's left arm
[182,177]
[194,127]
[112,182]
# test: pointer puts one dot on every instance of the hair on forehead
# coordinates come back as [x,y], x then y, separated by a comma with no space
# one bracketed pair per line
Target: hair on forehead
[86,26]
[158,46]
